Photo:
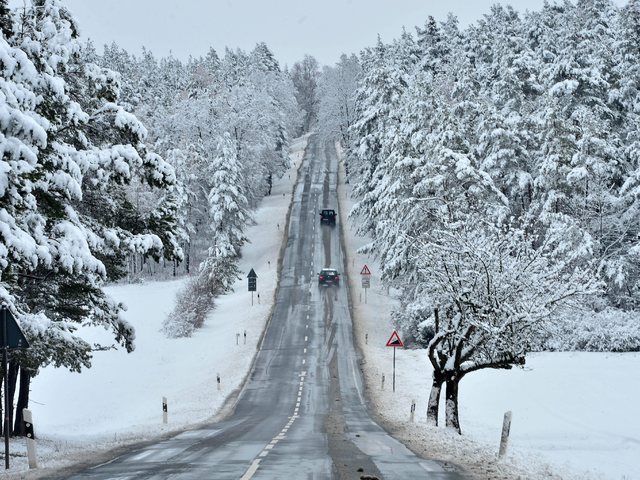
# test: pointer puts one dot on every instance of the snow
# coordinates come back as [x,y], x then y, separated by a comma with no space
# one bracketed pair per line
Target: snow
[574,414]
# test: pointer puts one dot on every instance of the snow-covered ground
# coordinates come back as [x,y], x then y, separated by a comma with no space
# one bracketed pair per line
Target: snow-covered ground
[573,414]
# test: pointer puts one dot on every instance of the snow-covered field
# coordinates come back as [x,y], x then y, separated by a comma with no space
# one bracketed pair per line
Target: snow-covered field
[574,415]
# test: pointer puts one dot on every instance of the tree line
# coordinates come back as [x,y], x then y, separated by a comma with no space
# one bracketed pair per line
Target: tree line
[496,169]
[117,167]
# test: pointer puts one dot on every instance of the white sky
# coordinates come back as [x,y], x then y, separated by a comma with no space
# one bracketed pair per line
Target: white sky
[291,28]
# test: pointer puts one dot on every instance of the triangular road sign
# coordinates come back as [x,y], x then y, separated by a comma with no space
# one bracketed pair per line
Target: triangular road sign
[15,337]
[365,271]
[252,274]
[394,340]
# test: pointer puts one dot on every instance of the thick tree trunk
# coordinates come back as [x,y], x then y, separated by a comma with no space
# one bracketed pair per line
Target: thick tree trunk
[434,398]
[452,415]
[23,400]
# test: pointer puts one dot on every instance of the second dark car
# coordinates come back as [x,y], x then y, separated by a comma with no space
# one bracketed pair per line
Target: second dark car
[328,277]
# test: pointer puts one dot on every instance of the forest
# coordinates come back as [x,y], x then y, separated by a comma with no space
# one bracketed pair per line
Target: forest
[496,167]
[118,168]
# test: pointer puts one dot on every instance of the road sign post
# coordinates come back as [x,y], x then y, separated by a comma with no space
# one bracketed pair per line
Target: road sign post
[12,337]
[253,281]
[365,275]
[394,341]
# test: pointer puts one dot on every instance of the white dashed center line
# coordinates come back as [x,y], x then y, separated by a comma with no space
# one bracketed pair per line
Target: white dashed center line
[281,435]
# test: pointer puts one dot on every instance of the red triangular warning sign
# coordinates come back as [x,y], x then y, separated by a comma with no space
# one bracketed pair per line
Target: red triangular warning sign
[394,340]
[365,271]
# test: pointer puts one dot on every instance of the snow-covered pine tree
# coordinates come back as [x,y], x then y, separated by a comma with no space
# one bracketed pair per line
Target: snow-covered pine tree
[228,214]
[506,131]
[62,251]
[384,81]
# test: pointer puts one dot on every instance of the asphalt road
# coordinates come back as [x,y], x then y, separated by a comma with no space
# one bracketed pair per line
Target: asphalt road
[301,413]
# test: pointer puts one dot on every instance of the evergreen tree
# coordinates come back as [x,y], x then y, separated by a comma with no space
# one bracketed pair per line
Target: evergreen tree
[69,141]
[6,20]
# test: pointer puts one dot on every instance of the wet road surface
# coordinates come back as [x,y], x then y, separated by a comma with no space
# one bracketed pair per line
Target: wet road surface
[301,414]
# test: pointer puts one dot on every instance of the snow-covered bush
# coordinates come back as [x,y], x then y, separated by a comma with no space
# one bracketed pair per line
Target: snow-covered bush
[610,330]
[193,303]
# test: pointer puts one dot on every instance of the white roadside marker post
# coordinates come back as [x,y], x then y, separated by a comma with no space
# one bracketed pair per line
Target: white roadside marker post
[382,382]
[504,438]
[413,411]
[165,411]
[27,420]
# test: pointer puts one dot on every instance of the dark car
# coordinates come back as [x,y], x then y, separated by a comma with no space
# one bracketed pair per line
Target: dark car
[328,216]
[328,276]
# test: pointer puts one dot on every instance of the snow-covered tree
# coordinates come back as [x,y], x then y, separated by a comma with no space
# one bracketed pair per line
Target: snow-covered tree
[493,296]
[64,138]
[304,75]
[228,213]
[336,91]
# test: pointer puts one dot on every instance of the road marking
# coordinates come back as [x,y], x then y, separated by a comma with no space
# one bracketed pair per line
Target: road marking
[252,470]
[280,436]
[304,351]
[355,382]
[306,338]
[303,361]
[105,463]
[306,326]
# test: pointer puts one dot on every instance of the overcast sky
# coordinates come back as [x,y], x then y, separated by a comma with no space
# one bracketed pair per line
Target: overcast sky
[291,28]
